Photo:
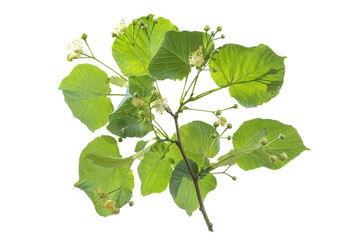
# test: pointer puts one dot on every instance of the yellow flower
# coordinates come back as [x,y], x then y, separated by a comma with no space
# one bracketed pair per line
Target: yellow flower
[137,102]
[160,105]
[196,59]
[74,50]
[222,121]
[119,28]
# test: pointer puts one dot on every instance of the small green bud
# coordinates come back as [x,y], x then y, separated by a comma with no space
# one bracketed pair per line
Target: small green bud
[217,50]
[131,203]
[113,34]
[234,178]
[206,28]
[283,156]
[229,137]
[272,158]
[218,112]
[155,21]
[229,125]
[123,129]
[141,23]
[214,69]
[154,93]
[136,95]
[216,124]
[142,113]
[84,36]
[145,27]
[134,21]
[125,112]
[282,136]
[148,16]
[212,33]
[222,36]
[236,106]
[120,139]
[116,211]
[219,28]
[263,141]
[147,120]
[214,135]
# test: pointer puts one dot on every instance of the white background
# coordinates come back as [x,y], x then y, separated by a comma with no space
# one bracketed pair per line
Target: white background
[316,196]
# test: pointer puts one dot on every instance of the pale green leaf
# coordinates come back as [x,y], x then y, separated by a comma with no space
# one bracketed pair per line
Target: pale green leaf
[93,176]
[254,75]
[197,141]
[85,91]
[133,59]
[258,156]
[118,81]
[172,59]
[182,187]
[155,170]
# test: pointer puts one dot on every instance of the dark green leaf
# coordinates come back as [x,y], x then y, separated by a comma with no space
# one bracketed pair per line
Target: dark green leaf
[85,91]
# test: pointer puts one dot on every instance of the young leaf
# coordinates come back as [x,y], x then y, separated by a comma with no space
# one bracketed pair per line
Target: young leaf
[126,116]
[155,170]
[255,157]
[93,177]
[172,59]
[118,81]
[133,60]
[254,75]
[85,90]
[183,190]
[197,141]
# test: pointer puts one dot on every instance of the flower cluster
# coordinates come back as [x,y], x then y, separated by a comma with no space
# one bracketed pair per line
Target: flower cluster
[103,200]
[137,102]
[196,59]
[160,105]
[74,50]
[119,28]
[222,121]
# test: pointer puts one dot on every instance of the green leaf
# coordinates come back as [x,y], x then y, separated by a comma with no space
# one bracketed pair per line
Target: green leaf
[198,144]
[172,59]
[85,91]
[133,59]
[251,144]
[254,75]
[93,176]
[118,81]
[140,145]
[256,156]
[182,187]
[155,170]
[127,116]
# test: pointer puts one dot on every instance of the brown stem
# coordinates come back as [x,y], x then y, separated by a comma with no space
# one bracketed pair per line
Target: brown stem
[193,176]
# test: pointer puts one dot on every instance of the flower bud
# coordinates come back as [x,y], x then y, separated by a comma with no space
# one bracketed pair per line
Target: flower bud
[283,156]
[145,27]
[116,211]
[214,69]
[136,95]
[282,136]
[222,36]
[219,28]
[131,203]
[142,113]
[154,93]
[120,139]
[218,112]
[229,137]
[155,21]
[84,36]
[217,50]
[234,178]
[214,135]
[123,129]
[206,28]
[229,126]
[148,16]
[134,21]
[113,34]
[263,141]
[141,23]
[212,33]
[216,124]
[235,106]
[147,120]
[272,158]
